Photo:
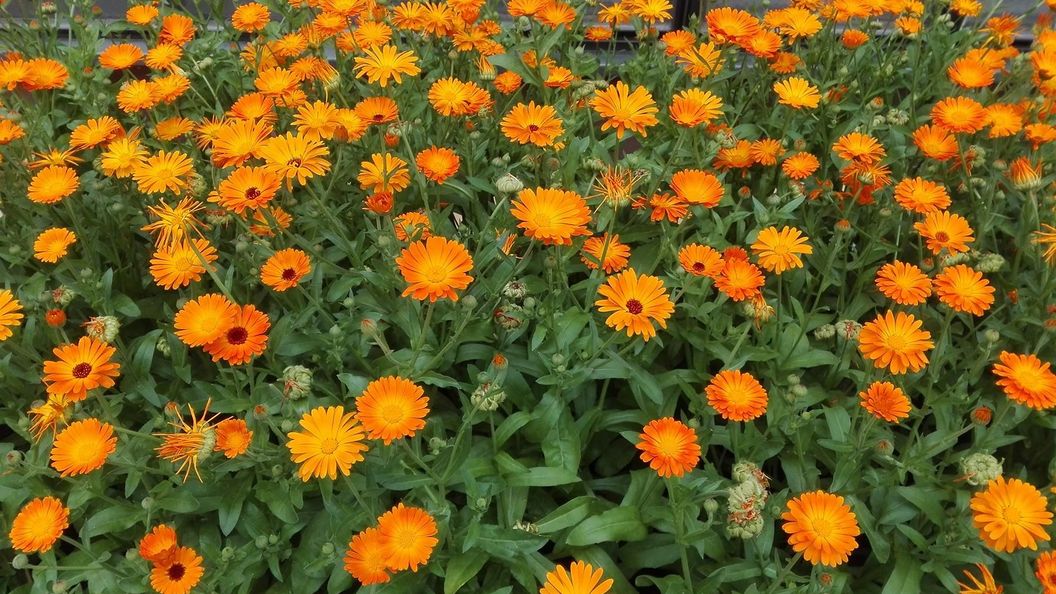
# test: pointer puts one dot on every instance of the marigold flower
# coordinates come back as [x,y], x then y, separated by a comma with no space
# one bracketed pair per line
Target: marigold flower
[366,559]
[246,338]
[332,442]
[885,401]
[896,343]
[202,320]
[181,263]
[1045,571]
[959,114]
[625,109]
[943,230]
[822,527]
[391,408]
[190,443]
[800,166]
[693,107]
[859,147]
[120,56]
[82,447]
[921,196]
[731,25]
[550,215]
[701,260]
[634,302]
[532,124]
[52,184]
[669,447]
[1026,380]
[1010,515]
[607,251]
[701,61]
[80,367]
[384,172]
[437,163]
[985,583]
[158,545]
[779,250]
[164,172]
[696,186]
[797,93]
[935,142]
[435,268]
[408,537]
[285,269]
[905,284]
[38,525]
[382,64]
[51,245]
[250,17]
[739,279]
[233,437]
[579,578]
[964,289]
[179,573]
[10,313]
[736,395]
[294,156]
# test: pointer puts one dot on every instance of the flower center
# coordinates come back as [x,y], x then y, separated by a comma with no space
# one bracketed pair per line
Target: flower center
[294,162]
[634,306]
[329,445]
[942,236]
[698,267]
[392,413]
[176,572]
[82,370]
[289,274]
[378,117]
[237,335]
[252,193]
[533,128]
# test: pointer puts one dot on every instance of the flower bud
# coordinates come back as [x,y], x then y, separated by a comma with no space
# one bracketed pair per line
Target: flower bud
[296,382]
[979,469]
[508,184]
[104,328]
[20,561]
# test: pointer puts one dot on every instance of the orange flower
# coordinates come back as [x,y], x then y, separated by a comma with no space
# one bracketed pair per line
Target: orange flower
[250,17]
[285,269]
[701,260]
[408,537]
[366,559]
[904,283]
[625,109]
[391,408]
[179,573]
[921,196]
[580,578]
[736,396]
[232,437]
[181,263]
[51,245]
[52,184]
[248,188]
[385,63]
[693,107]
[246,338]
[1026,380]
[739,279]
[294,156]
[1045,571]
[239,140]
[532,124]
[896,343]
[797,93]
[38,525]
[669,447]
[550,215]
[607,251]
[120,56]
[800,166]
[985,583]
[164,172]
[384,172]
[943,230]
[701,61]
[437,164]
[80,367]
[731,25]
[1011,515]
[634,302]
[822,527]
[696,186]
[859,147]
[332,441]
[435,268]
[158,545]
[10,313]
[82,447]
[885,401]
[779,251]
[412,226]
[959,114]
[964,289]
[507,82]
[935,142]
[202,320]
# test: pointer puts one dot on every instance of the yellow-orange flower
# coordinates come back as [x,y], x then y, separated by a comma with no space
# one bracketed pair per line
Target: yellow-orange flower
[382,64]
[779,250]
[181,263]
[1026,380]
[332,442]
[921,196]
[964,289]
[634,302]
[1011,515]
[701,260]
[959,114]
[532,124]
[906,284]
[392,407]
[293,156]
[38,525]
[384,172]
[408,537]
[885,401]
[736,395]
[246,338]
[52,184]
[233,437]
[797,93]
[669,447]
[551,215]
[624,109]
[80,367]
[159,544]
[435,268]
[822,527]
[943,230]
[437,163]
[739,279]
[607,251]
[82,447]
[366,558]
[694,107]
[51,245]
[896,343]
[285,269]
[179,573]
[696,186]
[10,313]
[201,321]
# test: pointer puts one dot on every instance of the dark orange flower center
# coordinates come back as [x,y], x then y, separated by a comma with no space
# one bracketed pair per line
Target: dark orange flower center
[82,370]
[634,306]
[378,117]
[237,335]
[289,274]
[176,572]
[533,128]
[294,162]
[942,236]
[698,267]
[252,193]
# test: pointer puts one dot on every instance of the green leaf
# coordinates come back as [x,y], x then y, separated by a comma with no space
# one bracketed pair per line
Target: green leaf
[905,579]
[462,568]
[542,476]
[617,524]
[569,514]
[111,519]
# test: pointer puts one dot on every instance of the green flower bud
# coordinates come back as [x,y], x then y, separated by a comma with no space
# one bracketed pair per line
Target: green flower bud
[20,561]
[979,468]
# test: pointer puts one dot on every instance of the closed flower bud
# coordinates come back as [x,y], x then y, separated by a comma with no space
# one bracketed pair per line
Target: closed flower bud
[13,458]
[296,381]
[59,587]
[711,506]
[990,263]
[20,561]
[261,542]
[979,469]
[849,329]
[286,425]
[883,447]
[825,332]
[799,390]
[227,554]
[991,335]
[147,503]
[509,184]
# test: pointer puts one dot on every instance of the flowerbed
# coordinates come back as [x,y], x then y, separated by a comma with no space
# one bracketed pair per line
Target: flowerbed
[344,295]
